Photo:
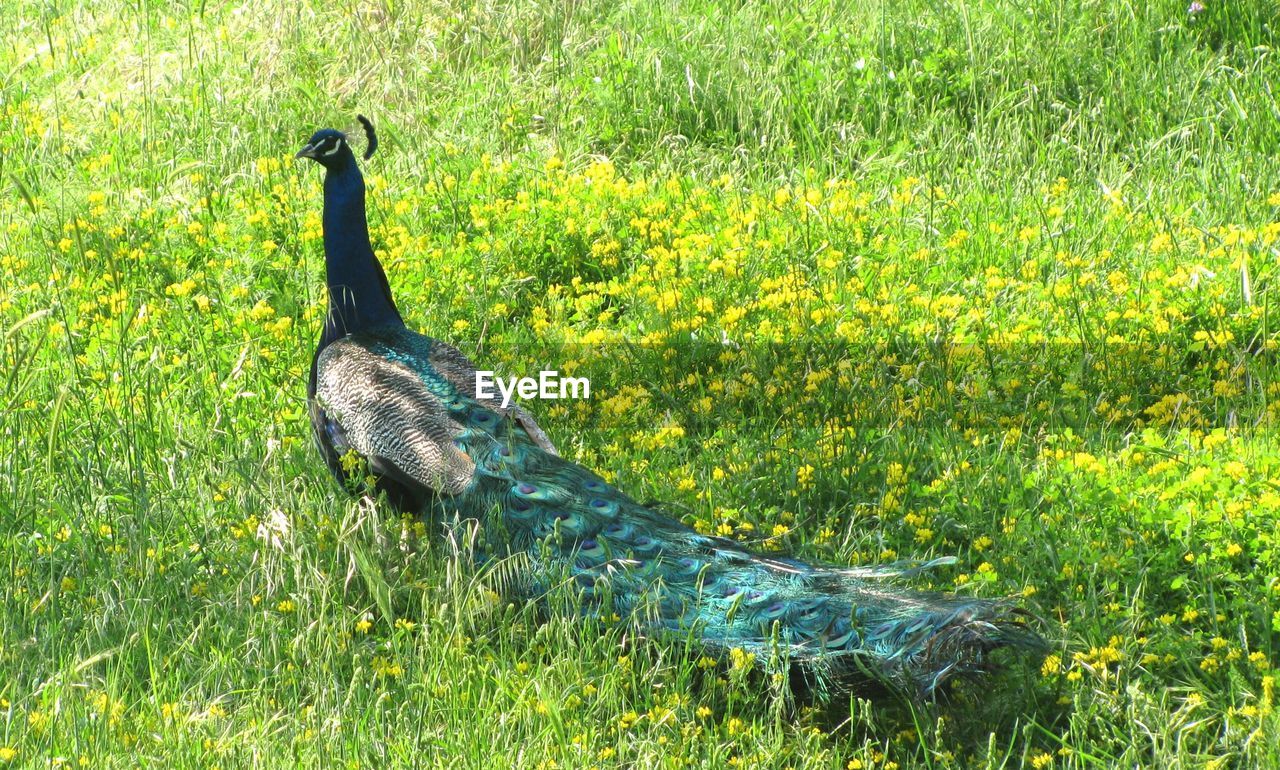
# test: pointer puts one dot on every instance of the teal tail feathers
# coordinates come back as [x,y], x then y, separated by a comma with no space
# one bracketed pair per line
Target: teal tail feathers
[625,558]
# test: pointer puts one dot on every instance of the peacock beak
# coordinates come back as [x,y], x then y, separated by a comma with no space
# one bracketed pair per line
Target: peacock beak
[308,151]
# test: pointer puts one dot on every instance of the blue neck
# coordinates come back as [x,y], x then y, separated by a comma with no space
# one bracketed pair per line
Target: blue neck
[359,295]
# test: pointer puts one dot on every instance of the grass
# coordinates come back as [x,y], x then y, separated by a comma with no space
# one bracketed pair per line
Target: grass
[995,279]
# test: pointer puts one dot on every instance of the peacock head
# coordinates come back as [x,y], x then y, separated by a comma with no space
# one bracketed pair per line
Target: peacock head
[329,147]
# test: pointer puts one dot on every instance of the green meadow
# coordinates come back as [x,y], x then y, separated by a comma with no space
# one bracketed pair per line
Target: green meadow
[863,282]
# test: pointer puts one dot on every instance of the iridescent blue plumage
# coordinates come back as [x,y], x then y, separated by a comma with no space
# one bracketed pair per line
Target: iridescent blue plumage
[406,404]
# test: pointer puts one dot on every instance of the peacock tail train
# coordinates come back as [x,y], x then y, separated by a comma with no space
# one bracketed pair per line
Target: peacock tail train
[404,403]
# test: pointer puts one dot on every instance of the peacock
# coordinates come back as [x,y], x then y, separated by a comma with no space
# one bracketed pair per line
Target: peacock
[406,405]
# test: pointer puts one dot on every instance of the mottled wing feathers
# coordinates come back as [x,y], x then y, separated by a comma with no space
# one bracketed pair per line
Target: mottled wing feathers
[400,399]
[385,412]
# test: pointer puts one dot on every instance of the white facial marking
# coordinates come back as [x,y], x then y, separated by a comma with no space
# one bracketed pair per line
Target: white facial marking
[337,145]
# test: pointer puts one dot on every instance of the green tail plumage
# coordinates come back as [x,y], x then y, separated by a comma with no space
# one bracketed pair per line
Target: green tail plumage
[627,558]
